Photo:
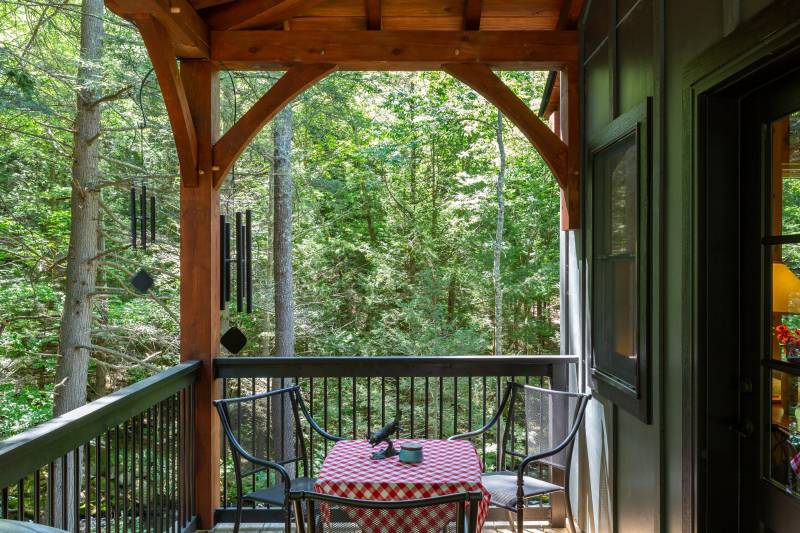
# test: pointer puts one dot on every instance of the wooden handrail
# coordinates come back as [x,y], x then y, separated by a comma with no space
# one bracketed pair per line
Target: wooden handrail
[389,366]
[27,451]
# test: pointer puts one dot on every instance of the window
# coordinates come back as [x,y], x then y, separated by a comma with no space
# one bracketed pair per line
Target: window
[618,186]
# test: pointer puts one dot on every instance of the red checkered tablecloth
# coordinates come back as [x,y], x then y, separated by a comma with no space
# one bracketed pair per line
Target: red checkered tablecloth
[447,467]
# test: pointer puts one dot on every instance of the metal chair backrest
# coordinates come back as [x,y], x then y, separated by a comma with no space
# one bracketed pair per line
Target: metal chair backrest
[540,422]
[285,443]
[457,513]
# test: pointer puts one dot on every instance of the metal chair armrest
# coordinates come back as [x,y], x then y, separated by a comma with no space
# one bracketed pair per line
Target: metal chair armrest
[313,423]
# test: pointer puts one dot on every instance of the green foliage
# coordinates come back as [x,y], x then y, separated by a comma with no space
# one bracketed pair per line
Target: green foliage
[394,212]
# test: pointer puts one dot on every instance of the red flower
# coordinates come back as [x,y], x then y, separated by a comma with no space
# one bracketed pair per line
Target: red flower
[782,328]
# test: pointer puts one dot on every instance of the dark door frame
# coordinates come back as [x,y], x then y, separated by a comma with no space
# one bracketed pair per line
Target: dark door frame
[713,86]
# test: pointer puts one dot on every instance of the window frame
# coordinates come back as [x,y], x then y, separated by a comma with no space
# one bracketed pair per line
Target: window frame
[633,397]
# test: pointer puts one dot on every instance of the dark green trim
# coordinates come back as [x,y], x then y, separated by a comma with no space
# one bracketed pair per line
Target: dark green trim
[747,49]
[24,453]
[548,91]
[391,366]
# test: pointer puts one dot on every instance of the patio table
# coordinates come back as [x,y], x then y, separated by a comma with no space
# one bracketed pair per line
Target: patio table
[448,467]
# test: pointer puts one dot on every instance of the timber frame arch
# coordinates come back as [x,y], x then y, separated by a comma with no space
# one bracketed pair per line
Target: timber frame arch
[189,42]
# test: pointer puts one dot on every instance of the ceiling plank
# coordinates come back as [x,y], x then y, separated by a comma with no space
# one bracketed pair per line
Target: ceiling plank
[247,14]
[394,50]
[486,83]
[296,80]
[372,9]
[185,29]
[472,14]
[162,56]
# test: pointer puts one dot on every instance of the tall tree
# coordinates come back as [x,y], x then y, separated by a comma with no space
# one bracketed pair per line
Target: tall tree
[282,256]
[498,241]
[76,321]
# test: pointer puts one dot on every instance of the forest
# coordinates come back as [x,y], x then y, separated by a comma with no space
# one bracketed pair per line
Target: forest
[422,222]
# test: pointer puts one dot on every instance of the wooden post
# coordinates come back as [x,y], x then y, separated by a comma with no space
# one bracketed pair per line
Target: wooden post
[200,317]
[569,122]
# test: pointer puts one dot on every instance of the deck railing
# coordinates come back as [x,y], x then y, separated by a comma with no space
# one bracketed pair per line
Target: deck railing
[122,463]
[434,397]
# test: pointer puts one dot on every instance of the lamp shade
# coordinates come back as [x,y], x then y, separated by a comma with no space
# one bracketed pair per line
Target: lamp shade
[785,290]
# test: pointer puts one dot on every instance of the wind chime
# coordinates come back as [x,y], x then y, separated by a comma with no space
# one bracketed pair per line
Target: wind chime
[142,281]
[241,229]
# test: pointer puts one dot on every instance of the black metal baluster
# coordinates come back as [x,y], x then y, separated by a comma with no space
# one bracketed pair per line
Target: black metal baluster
[116,480]
[483,423]
[76,488]
[469,403]
[140,478]
[369,405]
[311,433]
[222,263]
[108,481]
[149,501]
[51,485]
[153,219]
[339,404]
[397,402]
[182,453]
[413,407]
[227,242]
[225,385]
[21,500]
[64,492]
[383,401]
[253,411]
[87,451]
[37,493]
[325,410]
[355,407]
[427,405]
[5,503]
[160,487]
[441,407]
[455,405]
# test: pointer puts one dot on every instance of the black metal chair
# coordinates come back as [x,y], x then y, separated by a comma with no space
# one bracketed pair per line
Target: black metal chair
[294,451]
[458,513]
[544,434]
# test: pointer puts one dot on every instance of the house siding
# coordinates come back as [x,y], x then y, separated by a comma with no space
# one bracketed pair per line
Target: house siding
[631,476]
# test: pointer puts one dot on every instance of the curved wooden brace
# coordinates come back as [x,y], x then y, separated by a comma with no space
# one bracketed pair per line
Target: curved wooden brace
[162,56]
[486,83]
[296,80]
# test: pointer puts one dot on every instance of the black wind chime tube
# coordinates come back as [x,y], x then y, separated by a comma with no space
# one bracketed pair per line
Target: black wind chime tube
[239,263]
[153,218]
[134,226]
[143,220]
[248,234]
[227,261]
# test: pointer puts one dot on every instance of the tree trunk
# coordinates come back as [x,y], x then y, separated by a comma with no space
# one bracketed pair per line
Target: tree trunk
[498,242]
[282,262]
[76,321]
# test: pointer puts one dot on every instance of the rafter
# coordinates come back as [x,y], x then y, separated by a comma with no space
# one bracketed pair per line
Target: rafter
[472,14]
[185,30]
[292,83]
[372,11]
[166,68]
[246,14]
[394,50]
[486,83]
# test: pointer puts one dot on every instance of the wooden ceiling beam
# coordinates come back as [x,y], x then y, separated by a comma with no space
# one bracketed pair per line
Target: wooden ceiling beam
[247,14]
[472,14]
[162,56]
[186,32]
[372,11]
[230,146]
[394,50]
[486,83]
